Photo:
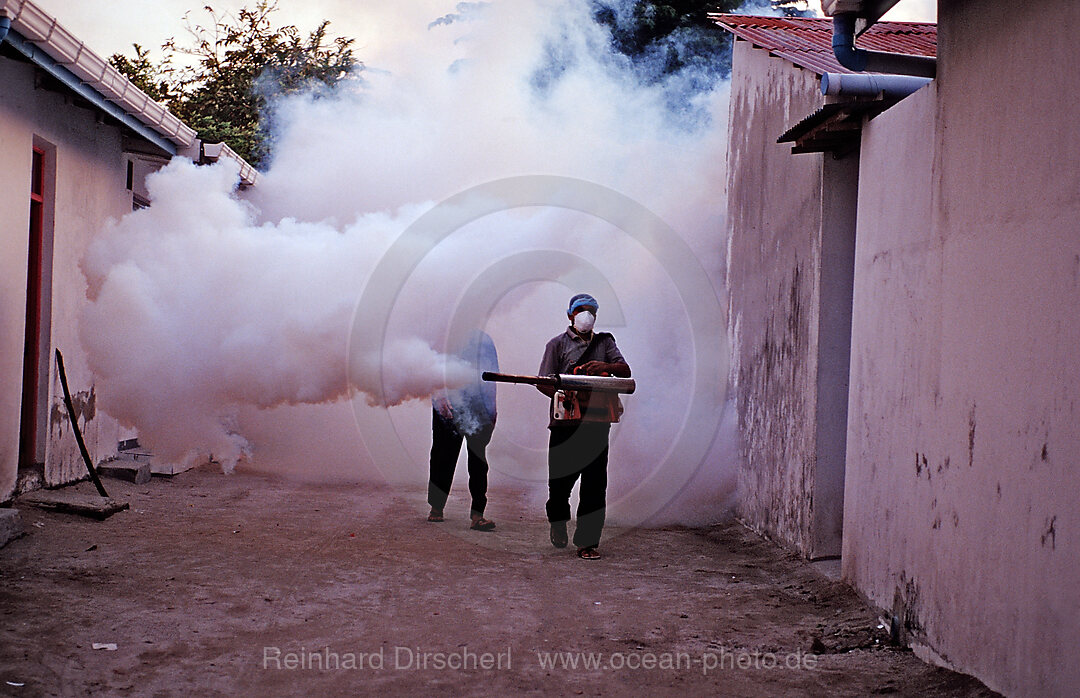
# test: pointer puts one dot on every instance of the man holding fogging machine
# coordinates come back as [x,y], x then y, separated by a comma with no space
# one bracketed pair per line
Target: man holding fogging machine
[579,422]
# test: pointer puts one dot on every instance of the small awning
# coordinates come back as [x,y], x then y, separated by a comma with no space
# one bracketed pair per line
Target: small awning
[835,128]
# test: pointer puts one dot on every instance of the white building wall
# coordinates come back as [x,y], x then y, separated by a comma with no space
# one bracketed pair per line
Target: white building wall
[961,501]
[894,522]
[15,161]
[89,188]
[774,251]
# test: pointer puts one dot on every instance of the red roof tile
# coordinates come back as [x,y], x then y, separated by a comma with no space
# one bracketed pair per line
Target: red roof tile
[807,42]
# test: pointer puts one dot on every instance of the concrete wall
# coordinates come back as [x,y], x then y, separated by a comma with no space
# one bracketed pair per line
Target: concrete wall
[775,223]
[961,501]
[89,178]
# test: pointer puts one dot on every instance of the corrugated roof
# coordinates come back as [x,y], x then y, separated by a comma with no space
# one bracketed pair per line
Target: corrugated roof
[834,128]
[807,41]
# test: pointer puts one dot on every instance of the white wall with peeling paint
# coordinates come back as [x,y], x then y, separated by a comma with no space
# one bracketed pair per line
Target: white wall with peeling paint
[783,215]
[88,168]
[961,497]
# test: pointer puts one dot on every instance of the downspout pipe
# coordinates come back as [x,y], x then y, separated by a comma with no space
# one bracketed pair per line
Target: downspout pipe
[871,85]
[860,60]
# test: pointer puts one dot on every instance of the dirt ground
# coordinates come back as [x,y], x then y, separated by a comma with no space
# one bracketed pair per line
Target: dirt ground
[246,585]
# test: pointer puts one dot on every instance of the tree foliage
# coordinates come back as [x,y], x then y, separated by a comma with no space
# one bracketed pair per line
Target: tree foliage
[145,74]
[670,35]
[221,80]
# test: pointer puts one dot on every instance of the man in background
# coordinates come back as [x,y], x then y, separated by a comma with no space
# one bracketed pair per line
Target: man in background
[579,424]
[465,414]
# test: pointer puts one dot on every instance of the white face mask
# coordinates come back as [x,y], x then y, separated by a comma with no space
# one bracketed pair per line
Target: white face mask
[584,321]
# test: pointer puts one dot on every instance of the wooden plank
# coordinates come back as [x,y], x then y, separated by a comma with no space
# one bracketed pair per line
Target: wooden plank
[67,502]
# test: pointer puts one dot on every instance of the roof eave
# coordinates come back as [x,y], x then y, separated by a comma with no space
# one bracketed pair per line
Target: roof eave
[72,82]
[836,127]
[868,11]
[214,152]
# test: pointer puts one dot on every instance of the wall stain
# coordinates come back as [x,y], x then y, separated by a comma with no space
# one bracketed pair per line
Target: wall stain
[795,315]
[84,405]
[771,392]
[1050,534]
[905,612]
[58,415]
[971,436]
[922,464]
[1044,454]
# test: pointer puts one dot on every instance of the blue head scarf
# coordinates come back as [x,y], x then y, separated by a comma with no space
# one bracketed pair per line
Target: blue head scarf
[581,300]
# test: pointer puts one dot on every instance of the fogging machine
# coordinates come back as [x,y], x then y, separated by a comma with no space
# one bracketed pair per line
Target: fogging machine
[567,405]
[566,381]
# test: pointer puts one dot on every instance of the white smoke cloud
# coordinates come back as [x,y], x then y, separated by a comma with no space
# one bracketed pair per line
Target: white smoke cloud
[215,317]
[197,309]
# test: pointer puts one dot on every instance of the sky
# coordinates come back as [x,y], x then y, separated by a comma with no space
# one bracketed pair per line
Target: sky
[112,27]
[380,27]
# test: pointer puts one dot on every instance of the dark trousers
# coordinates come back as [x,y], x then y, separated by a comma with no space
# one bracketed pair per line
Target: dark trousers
[579,451]
[445,447]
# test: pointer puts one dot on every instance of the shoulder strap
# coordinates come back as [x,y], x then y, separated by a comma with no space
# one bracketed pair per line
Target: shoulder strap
[590,351]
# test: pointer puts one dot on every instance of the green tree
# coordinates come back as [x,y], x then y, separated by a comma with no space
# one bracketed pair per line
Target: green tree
[665,36]
[144,73]
[232,68]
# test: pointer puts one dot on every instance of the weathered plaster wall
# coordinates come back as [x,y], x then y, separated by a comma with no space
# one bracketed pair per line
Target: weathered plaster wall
[961,502]
[774,216]
[15,161]
[90,180]
[896,370]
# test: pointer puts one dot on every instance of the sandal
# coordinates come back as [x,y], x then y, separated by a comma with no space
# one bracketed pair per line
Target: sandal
[479,523]
[558,534]
[590,553]
[436,515]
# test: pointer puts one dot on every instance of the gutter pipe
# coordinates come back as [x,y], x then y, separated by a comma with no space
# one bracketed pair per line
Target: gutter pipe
[5,25]
[51,66]
[871,85]
[860,60]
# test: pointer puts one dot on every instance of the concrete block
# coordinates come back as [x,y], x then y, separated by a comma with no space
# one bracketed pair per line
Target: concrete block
[11,526]
[130,470]
[131,451]
[159,468]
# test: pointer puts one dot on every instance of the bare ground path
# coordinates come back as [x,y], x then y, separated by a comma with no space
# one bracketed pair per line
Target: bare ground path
[214,584]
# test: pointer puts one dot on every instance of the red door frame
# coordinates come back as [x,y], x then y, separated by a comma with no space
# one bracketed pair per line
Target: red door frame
[32,346]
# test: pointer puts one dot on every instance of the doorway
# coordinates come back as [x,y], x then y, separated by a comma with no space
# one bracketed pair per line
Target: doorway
[839,204]
[37,345]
